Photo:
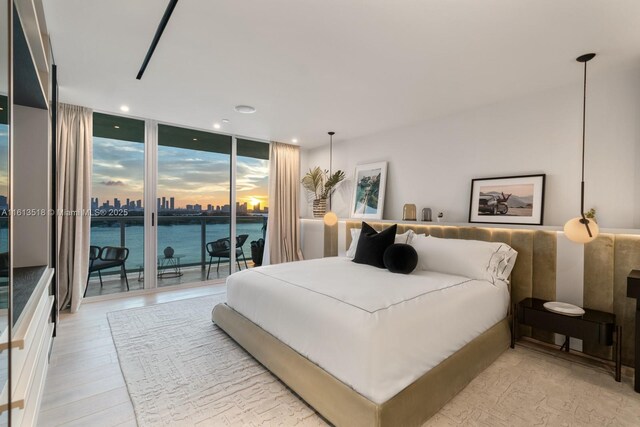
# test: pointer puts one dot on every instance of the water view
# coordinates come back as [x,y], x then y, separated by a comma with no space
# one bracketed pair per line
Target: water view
[184,237]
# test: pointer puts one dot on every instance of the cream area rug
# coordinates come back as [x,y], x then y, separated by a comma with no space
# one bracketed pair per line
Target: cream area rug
[182,370]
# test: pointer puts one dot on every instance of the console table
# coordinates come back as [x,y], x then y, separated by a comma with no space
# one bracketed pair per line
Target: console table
[633,291]
[593,326]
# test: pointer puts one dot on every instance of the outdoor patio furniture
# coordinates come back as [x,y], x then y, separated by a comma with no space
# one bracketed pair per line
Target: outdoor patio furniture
[221,248]
[104,258]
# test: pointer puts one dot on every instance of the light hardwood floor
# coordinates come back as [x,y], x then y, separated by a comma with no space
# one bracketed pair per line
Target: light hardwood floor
[84,384]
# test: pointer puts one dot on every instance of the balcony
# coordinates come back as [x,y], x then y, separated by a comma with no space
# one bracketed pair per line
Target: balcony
[186,235]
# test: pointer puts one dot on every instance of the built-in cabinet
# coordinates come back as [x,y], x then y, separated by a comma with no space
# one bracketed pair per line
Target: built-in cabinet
[27,223]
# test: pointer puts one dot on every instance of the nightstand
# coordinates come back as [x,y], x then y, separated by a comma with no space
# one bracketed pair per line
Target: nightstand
[593,326]
[633,291]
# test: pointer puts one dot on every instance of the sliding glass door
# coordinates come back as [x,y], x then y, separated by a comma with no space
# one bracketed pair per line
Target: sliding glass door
[117,205]
[169,189]
[193,205]
[252,201]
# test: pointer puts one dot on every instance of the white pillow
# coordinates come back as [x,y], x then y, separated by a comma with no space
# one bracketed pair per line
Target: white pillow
[355,236]
[475,259]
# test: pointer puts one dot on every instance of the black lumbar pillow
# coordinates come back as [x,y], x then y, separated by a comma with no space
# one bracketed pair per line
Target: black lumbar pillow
[400,258]
[371,245]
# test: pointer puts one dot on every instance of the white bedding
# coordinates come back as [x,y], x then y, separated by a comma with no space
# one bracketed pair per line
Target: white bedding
[374,330]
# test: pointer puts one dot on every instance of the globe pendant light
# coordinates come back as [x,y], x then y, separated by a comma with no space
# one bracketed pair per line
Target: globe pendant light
[330,218]
[581,229]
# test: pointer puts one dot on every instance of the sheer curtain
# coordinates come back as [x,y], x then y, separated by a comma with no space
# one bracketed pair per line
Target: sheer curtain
[283,228]
[75,144]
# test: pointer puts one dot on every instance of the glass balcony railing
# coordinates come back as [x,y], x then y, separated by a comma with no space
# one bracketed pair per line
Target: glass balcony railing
[186,235]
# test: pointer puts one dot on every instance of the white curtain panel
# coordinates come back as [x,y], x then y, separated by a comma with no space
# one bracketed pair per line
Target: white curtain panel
[283,228]
[74,145]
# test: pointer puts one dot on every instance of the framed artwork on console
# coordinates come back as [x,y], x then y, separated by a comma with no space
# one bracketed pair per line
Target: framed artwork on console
[368,191]
[508,200]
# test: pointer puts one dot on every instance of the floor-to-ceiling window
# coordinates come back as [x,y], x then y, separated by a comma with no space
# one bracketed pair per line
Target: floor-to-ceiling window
[252,200]
[117,202]
[188,189]
[193,205]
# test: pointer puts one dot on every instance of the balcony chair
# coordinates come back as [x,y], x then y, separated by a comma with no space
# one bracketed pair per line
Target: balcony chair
[221,248]
[107,257]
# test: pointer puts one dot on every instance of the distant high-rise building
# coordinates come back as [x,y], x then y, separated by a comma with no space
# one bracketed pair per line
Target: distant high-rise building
[164,202]
[226,209]
[172,203]
[139,204]
[94,203]
[241,208]
[3,202]
[159,200]
[217,208]
[256,207]
[197,207]
[189,207]
[116,203]
[105,205]
[209,207]
[128,202]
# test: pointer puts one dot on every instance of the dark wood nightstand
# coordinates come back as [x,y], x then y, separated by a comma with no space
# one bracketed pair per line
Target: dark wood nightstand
[594,326]
[633,291]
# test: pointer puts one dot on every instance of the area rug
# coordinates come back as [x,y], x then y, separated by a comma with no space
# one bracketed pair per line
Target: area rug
[182,370]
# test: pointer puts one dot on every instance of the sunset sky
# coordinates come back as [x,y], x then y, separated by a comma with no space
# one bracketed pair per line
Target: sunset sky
[190,176]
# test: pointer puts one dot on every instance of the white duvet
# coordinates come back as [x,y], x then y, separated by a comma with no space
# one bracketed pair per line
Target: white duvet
[374,330]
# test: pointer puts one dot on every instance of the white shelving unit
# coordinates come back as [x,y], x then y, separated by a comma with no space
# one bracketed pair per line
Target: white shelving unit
[30,339]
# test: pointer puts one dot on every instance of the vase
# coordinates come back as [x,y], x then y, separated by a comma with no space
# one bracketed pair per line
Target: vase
[409,212]
[319,208]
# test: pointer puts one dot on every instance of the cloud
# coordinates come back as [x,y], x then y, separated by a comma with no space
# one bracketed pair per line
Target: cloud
[113,183]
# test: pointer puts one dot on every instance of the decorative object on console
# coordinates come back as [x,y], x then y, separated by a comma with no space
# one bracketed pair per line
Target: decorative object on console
[440,217]
[563,308]
[581,229]
[320,185]
[426,214]
[371,245]
[168,252]
[409,212]
[508,200]
[400,258]
[369,190]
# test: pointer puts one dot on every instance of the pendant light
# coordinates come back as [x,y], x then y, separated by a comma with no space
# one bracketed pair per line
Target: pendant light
[581,229]
[330,218]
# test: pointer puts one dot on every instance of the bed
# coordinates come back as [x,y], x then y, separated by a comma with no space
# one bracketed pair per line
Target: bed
[364,346]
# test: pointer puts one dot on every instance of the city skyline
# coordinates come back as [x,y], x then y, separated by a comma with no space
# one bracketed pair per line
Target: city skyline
[164,203]
[189,176]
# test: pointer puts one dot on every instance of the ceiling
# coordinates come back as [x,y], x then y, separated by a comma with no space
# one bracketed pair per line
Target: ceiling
[353,66]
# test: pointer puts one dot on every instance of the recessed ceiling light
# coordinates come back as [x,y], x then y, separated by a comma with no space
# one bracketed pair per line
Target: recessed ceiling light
[117,127]
[245,109]
[1,109]
[195,139]
[124,108]
[225,120]
[294,140]
[216,125]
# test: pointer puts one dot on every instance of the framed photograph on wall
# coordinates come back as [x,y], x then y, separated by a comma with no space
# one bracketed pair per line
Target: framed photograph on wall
[508,200]
[368,191]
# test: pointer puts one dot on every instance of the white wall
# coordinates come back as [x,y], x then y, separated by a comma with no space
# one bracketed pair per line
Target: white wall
[431,164]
